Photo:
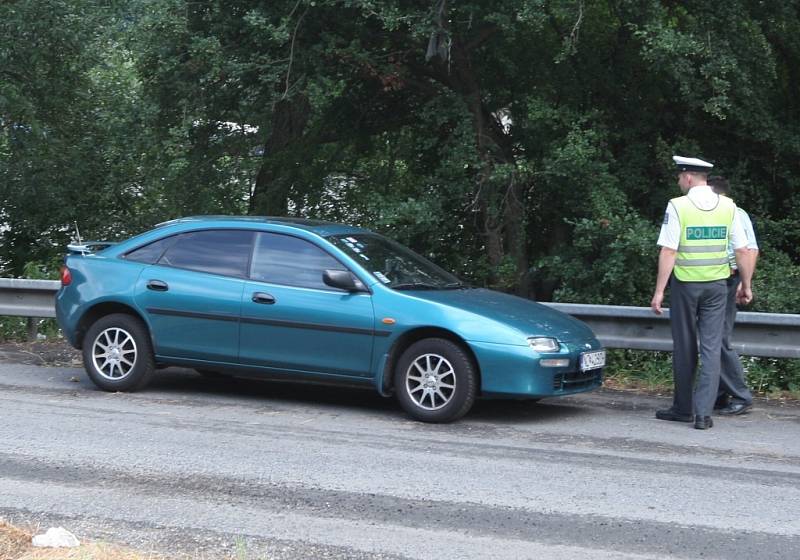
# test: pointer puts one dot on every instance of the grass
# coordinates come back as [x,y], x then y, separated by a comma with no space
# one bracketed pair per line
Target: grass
[651,372]
[639,371]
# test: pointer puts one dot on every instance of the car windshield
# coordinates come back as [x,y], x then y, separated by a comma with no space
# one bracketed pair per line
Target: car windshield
[394,265]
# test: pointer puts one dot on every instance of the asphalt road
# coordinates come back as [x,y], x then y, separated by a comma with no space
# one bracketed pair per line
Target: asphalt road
[276,470]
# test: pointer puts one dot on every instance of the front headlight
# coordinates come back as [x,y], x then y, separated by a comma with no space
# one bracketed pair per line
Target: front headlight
[544,344]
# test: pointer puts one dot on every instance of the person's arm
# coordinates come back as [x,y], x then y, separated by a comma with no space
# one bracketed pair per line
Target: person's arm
[744,260]
[666,262]
[749,226]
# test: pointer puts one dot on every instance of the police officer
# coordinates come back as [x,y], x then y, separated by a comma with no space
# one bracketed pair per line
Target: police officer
[734,395]
[694,240]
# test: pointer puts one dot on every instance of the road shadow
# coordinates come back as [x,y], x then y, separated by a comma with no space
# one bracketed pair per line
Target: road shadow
[189,384]
[500,411]
[187,387]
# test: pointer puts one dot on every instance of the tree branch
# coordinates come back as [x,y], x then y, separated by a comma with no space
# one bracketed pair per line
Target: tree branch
[291,50]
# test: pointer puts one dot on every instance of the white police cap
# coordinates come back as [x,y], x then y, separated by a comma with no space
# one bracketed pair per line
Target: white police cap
[692,164]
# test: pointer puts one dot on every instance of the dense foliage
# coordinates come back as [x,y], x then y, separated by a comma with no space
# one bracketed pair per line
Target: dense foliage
[524,144]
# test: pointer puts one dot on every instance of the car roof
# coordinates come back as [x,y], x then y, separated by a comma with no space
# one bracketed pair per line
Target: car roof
[320,227]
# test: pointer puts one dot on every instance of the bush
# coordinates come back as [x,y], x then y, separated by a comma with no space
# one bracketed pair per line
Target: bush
[653,371]
[611,261]
[775,283]
[13,329]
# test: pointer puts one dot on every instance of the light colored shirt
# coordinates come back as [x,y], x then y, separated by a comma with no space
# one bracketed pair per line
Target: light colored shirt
[752,243]
[704,198]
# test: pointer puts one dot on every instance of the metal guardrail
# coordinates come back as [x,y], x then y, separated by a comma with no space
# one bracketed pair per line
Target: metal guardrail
[28,298]
[21,297]
[771,335]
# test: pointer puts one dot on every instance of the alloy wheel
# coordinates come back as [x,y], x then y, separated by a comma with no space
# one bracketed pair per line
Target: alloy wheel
[114,353]
[431,381]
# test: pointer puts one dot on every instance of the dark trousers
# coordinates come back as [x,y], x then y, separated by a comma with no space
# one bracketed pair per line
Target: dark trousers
[731,375]
[697,315]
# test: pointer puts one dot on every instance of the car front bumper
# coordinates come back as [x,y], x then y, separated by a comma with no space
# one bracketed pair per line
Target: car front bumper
[515,372]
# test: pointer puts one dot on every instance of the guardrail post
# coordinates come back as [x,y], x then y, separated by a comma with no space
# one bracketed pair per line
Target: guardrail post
[32,325]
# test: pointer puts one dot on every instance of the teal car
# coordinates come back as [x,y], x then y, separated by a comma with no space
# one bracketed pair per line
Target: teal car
[314,301]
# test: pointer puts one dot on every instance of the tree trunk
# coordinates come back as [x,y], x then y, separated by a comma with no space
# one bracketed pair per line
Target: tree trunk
[500,206]
[283,151]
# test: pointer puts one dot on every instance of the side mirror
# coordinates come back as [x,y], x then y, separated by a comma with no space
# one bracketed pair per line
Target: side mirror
[343,280]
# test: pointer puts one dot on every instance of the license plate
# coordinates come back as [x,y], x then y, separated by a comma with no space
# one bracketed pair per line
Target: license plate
[593,360]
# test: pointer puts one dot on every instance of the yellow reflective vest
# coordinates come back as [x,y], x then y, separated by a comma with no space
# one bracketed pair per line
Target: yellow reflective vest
[703,249]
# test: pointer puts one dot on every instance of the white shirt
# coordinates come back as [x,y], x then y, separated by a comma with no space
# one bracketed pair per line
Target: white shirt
[704,198]
[749,232]
[752,243]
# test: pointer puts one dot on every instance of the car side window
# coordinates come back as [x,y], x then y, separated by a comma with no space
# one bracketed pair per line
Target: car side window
[225,252]
[150,253]
[287,260]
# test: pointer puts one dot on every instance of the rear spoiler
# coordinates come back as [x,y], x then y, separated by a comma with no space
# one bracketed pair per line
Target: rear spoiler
[89,247]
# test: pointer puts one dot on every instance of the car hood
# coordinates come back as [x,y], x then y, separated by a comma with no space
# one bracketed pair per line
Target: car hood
[527,316]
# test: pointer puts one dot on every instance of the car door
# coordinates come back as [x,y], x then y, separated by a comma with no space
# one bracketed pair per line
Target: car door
[192,295]
[292,321]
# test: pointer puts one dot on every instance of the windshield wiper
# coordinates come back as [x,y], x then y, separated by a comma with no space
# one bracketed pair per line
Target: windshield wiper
[456,286]
[415,286]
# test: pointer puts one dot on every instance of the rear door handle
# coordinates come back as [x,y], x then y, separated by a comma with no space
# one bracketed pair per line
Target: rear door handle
[262,297]
[157,285]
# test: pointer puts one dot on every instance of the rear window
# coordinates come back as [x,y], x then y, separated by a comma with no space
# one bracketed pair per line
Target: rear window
[224,252]
[151,252]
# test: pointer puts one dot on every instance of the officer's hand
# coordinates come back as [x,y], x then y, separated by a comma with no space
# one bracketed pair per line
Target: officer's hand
[743,295]
[655,303]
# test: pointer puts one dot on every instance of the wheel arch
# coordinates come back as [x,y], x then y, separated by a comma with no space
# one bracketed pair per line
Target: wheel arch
[100,310]
[414,335]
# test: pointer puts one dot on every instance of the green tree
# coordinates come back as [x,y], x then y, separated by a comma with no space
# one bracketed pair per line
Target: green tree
[525,144]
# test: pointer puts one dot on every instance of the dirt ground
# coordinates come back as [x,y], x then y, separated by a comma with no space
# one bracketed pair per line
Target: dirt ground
[41,353]
[15,544]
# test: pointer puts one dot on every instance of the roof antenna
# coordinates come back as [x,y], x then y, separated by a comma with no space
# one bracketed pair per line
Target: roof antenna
[80,242]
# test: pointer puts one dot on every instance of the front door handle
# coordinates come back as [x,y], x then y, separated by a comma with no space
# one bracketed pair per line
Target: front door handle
[157,285]
[262,297]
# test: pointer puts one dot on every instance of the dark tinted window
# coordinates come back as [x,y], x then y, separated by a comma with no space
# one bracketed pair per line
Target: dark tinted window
[150,252]
[225,252]
[282,259]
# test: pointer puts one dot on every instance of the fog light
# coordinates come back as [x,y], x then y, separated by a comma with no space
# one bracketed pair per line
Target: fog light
[554,362]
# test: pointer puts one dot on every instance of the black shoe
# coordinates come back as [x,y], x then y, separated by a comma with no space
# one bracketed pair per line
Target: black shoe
[673,415]
[736,408]
[703,422]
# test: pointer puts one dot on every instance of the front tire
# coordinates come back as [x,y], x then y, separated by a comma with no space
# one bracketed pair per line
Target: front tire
[435,381]
[118,354]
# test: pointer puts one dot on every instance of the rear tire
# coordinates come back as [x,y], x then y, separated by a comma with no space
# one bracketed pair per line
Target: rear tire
[118,354]
[435,380]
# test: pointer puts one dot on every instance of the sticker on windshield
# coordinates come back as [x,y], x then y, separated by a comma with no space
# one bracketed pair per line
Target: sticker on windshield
[381,277]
